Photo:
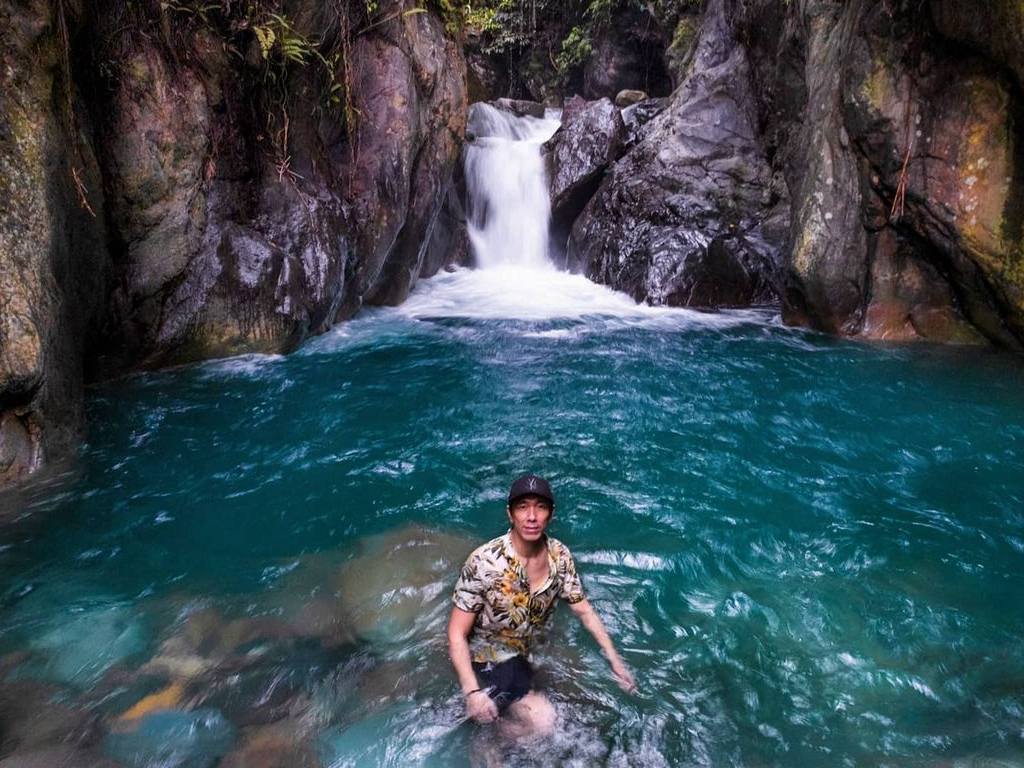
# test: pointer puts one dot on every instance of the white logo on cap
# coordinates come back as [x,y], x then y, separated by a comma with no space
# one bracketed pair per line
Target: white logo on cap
[533,484]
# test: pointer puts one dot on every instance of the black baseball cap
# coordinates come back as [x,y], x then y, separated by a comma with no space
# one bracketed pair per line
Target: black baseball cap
[530,485]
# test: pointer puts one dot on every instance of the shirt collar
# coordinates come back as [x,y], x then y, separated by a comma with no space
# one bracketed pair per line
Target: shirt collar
[512,555]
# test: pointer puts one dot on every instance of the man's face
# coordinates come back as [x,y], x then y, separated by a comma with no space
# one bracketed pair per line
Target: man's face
[529,516]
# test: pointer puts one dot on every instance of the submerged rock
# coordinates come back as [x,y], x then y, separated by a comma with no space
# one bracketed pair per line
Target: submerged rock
[172,739]
[281,745]
[78,648]
[360,743]
[390,587]
[37,715]
[399,583]
[206,640]
[56,757]
[168,697]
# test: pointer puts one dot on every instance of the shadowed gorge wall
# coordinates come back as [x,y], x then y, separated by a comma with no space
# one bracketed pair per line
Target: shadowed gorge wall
[191,182]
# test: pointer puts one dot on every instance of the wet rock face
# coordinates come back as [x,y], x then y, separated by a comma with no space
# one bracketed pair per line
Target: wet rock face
[844,158]
[411,95]
[226,247]
[945,130]
[218,253]
[691,215]
[996,30]
[52,254]
[910,300]
[901,154]
[577,156]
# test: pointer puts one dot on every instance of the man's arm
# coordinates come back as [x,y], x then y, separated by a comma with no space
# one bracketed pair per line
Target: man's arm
[588,617]
[479,705]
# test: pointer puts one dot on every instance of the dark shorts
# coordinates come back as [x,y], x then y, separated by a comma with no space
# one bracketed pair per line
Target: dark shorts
[506,681]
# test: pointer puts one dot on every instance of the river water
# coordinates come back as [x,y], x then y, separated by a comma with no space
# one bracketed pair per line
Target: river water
[810,551]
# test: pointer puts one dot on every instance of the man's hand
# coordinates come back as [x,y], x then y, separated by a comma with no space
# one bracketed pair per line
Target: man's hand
[480,707]
[623,676]
[588,616]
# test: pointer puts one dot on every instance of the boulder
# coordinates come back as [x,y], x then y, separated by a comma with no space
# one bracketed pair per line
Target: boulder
[636,116]
[577,156]
[691,215]
[628,97]
[520,108]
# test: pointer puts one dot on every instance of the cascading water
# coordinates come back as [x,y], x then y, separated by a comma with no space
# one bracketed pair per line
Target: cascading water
[508,217]
[509,210]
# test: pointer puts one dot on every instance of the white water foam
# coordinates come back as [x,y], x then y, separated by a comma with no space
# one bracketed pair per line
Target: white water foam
[528,293]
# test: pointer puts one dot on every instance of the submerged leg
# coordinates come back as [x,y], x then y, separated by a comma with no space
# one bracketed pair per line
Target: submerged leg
[532,716]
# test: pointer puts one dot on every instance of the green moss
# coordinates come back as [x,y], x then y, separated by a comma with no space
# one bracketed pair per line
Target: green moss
[877,87]
[683,40]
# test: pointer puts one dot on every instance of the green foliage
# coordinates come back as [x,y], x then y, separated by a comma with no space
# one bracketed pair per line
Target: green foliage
[600,12]
[277,35]
[576,49]
[199,10]
[260,30]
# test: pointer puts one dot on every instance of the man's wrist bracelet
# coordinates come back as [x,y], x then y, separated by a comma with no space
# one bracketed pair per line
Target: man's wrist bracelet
[467,694]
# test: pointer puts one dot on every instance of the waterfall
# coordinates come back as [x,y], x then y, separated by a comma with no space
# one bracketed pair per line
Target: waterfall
[508,212]
[508,207]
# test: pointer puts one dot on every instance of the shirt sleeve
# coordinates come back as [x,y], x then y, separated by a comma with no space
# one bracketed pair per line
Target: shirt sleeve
[572,587]
[469,589]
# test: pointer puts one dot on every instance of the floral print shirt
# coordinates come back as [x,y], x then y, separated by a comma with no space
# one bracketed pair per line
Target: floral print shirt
[494,585]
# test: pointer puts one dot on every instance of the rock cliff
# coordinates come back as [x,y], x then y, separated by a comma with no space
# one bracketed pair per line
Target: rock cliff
[860,161]
[191,181]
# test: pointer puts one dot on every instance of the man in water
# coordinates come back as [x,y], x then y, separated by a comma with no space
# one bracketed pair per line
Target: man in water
[502,601]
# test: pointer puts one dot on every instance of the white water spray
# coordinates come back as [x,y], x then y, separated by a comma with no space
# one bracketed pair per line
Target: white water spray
[509,210]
